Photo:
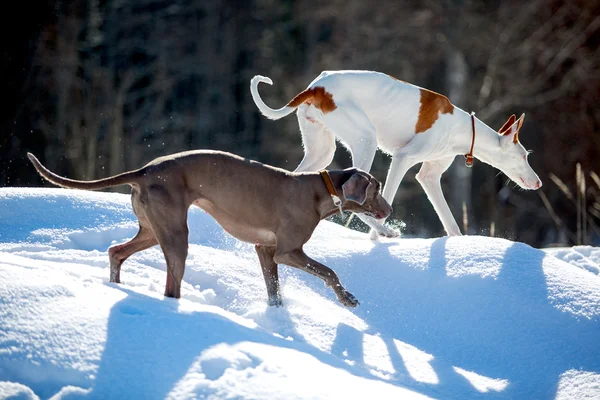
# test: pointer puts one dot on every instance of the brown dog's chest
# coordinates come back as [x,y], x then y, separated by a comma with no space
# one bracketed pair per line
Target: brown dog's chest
[236,228]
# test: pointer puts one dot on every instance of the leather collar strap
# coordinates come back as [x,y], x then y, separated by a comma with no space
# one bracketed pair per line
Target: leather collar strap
[469,155]
[331,189]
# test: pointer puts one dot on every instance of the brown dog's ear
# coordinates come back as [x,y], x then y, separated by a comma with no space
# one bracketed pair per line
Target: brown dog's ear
[355,188]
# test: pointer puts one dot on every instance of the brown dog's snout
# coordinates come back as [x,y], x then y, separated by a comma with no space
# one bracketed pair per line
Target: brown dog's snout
[387,209]
[382,208]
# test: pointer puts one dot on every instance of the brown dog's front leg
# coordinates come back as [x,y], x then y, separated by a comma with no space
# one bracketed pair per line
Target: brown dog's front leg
[297,258]
[270,273]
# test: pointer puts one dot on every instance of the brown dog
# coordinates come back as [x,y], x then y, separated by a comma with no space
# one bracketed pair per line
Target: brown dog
[275,209]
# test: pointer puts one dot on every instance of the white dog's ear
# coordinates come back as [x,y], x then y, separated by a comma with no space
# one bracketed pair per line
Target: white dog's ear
[355,188]
[506,127]
[520,120]
[510,131]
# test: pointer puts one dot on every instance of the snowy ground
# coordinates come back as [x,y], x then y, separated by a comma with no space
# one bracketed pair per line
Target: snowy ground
[586,257]
[451,318]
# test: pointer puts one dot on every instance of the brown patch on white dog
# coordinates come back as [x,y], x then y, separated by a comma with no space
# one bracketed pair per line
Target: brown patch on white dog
[432,105]
[317,96]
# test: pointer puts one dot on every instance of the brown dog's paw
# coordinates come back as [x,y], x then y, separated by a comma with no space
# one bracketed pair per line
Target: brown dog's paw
[114,277]
[276,302]
[347,298]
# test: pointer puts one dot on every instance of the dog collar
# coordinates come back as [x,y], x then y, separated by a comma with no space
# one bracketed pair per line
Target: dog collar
[332,192]
[469,155]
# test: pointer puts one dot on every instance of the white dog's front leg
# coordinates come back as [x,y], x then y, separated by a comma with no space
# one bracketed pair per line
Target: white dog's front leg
[363,154]
[398,167]
[377,227]
[430,179]
[355,130]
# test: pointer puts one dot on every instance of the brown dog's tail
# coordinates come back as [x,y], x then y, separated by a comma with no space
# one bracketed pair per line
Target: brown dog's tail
[121,179]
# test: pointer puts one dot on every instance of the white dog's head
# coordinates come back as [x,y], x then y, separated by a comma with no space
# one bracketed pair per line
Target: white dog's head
[514,156]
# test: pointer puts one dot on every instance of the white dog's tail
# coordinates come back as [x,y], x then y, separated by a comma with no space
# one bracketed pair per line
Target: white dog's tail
[265,109]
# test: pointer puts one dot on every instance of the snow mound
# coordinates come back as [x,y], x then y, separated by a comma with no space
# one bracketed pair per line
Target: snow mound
[465,317]
[584,257]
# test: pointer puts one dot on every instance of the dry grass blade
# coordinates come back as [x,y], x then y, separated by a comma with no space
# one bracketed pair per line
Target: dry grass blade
[578,203]
[595,178]
[561,185]
[548,206]
[465,218]
[553,215]
[594,212]
[349,220]
[582,192]
[593,226]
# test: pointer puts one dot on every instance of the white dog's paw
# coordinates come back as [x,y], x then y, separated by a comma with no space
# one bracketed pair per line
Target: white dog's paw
[384,231]
[390,233]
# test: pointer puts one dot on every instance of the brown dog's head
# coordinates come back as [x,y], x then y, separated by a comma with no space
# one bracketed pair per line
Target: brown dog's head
[362,194]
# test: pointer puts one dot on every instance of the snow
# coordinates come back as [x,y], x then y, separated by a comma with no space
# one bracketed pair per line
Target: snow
[462,317]
[584,257]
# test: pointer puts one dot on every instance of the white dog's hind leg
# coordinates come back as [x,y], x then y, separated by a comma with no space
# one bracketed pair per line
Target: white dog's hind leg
[319,145]
[430,179]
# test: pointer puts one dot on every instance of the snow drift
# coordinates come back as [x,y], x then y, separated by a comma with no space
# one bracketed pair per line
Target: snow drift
[465,317]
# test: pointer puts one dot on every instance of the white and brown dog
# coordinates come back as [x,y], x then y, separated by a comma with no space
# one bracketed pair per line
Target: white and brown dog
[366,110]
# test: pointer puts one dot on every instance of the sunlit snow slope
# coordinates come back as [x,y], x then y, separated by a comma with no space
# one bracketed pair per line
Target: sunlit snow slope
[451,318]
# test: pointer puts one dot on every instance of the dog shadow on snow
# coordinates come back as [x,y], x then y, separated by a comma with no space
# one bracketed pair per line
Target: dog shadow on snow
[151,345]
[503,328]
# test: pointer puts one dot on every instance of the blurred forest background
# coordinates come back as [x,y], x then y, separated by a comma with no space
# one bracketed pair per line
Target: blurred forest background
[96,87]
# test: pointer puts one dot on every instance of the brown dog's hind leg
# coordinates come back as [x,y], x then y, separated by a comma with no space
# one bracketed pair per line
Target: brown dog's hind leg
[297,258]
[270,273]
[175,248]
[119,253]
[167,216]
